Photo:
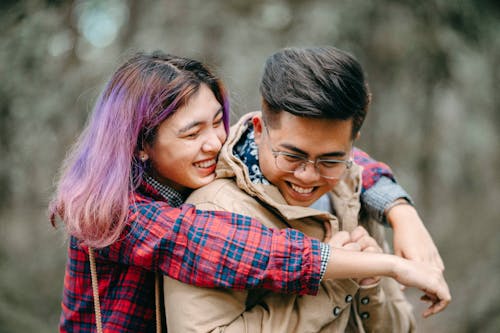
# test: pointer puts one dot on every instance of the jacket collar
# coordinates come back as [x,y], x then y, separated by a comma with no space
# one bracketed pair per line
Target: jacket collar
[344,195]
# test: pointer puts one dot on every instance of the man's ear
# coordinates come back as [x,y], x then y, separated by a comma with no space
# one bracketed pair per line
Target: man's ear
[258,127]
[357,135]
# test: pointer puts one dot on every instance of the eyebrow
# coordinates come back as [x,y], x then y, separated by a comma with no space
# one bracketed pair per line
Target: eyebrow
[197,123]
[301,152]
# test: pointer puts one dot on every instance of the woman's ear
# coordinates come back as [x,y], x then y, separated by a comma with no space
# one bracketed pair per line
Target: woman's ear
[143,155]
[357,135]
[258,126]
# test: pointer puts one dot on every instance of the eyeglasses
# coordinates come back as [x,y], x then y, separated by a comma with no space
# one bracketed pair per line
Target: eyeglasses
[327,168]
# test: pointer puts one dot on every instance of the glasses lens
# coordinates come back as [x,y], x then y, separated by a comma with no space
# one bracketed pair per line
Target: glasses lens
[288,163]
[332,169]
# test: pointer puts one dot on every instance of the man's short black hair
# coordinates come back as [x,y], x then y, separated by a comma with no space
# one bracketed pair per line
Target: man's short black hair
[319,82]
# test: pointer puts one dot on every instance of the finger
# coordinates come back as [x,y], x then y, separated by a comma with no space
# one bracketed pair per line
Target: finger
[431,309]
[429,298]
[339,239]
[372,249]
[369,281]
[358,233]
[439,302]
[367,242]
[352,246]
[435,307]
[438,262]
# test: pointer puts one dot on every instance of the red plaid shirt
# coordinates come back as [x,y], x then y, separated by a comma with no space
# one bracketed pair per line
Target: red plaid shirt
[372,170]
[206,249]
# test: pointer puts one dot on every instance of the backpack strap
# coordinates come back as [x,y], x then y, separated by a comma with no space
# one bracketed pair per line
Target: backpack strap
[95,291]
[97,304]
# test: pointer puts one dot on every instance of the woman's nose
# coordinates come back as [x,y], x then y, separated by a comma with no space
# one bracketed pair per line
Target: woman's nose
[213,143]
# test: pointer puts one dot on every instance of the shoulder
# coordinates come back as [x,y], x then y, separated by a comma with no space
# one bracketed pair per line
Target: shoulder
[221,194]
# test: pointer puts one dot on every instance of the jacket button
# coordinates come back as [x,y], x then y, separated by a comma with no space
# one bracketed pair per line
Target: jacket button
[365,300]
[365,315]
[348,299]
[336,311]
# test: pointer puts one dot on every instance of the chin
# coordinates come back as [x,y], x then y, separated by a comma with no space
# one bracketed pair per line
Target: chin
[301,203]
[205,181]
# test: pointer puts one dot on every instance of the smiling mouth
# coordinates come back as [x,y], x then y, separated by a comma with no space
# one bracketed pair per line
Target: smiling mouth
[205,164]
[302,190]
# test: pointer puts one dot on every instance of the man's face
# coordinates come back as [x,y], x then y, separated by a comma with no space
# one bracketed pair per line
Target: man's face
[306,137]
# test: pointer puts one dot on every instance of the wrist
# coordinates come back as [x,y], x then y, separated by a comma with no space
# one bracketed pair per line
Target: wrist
[395,203]
[395,266]
[400,211]
[377,199]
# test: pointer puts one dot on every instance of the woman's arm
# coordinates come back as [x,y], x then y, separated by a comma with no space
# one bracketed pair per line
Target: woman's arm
[217,249]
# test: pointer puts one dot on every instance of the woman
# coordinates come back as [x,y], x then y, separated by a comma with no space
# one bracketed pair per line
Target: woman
[121,192]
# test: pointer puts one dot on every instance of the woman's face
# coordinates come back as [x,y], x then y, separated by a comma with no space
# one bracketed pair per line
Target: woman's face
[184,152]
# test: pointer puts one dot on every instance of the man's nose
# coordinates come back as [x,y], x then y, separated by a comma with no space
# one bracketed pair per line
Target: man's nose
[307,172]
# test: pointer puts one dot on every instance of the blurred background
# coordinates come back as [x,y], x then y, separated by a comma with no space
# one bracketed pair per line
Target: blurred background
[433,66]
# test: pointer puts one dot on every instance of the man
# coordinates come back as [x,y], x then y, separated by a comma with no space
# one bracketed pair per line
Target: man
[274,166]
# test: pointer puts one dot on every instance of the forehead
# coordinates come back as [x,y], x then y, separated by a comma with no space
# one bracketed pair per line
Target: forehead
[312,134]
[201,107]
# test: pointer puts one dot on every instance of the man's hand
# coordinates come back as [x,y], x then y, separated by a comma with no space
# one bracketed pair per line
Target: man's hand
[342,240]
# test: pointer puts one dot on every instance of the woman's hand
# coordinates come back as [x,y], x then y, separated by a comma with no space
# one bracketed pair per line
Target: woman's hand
[366,244]
[427,278]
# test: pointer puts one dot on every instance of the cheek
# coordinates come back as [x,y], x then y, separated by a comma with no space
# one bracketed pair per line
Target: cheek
[268,167]
[331,183]
[222,134]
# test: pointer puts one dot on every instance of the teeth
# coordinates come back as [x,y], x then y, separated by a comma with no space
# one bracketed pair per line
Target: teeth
[302,190]
[205,164]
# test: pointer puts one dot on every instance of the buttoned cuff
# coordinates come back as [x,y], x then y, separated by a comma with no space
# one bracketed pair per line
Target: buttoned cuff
[341,293]
[380,196]
[369,297]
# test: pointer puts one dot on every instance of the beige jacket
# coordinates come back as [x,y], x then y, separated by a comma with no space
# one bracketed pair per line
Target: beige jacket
[339,306]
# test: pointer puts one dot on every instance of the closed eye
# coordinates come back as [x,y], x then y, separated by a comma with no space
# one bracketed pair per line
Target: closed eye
[292,157]
[192,135]
[217,122]
[331,163]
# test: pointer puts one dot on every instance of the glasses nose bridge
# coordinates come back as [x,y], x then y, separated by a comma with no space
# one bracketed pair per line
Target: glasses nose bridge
[303,165]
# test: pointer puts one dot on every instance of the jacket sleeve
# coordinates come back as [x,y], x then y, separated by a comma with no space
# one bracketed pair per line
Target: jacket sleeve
[217,249]
[384,308]
[192,309]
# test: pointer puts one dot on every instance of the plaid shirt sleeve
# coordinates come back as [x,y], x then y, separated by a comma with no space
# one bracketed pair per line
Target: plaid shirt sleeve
[380,188]
[372,170]
[218,249]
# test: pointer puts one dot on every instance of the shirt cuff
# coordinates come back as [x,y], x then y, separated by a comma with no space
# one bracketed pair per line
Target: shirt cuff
[380,196]
[325,257]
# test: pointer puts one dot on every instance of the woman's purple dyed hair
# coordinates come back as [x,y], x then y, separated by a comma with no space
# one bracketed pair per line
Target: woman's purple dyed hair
[92,197]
